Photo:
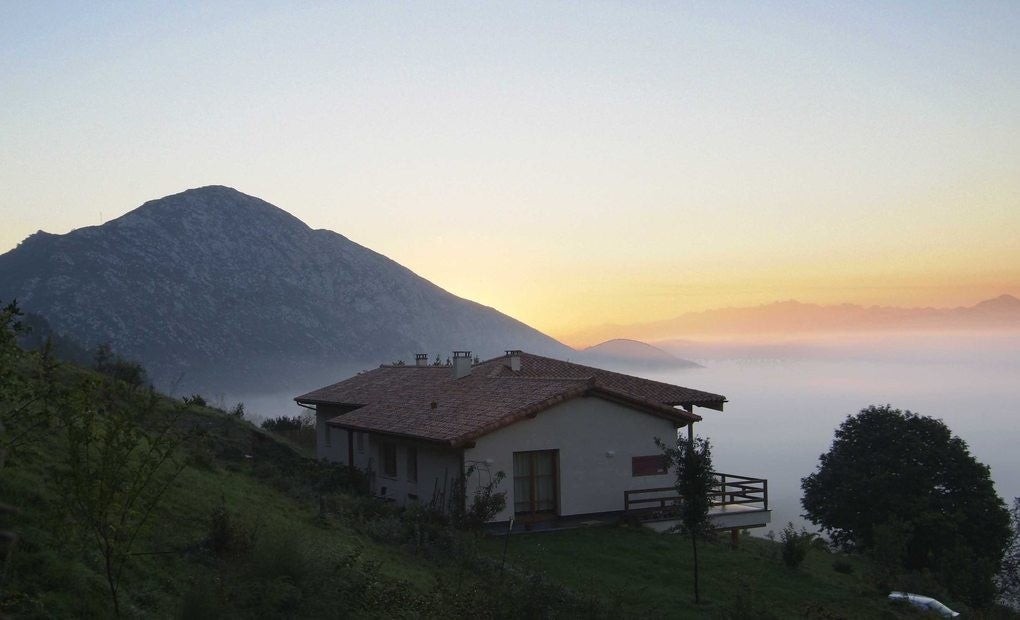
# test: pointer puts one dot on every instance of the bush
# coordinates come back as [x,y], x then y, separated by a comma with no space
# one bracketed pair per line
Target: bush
[288,423]
[227,536]
[795,545]
[842,566]
[195,399]
[486,502]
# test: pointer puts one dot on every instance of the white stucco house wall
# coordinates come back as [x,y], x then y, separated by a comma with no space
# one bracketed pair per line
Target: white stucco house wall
[570,439]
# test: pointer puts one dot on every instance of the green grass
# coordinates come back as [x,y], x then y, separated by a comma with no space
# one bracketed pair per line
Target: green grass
[645,574]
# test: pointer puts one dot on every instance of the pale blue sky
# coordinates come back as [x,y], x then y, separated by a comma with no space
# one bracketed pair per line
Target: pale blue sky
[607,161]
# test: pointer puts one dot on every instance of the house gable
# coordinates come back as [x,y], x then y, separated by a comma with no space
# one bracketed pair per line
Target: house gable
[595,440]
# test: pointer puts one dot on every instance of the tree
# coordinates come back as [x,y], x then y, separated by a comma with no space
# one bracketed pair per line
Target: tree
[892,469]
[692,461]
[117,469]
[27,385]
[1009,576]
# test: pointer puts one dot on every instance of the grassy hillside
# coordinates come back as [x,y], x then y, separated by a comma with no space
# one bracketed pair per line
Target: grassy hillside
[645,574]
[249,527]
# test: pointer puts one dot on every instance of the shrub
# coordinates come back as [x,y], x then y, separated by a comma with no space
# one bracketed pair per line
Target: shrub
[842,566]
[227,536]
[288,423]
[486,502]
[795,545]
[238,411]
[195,399]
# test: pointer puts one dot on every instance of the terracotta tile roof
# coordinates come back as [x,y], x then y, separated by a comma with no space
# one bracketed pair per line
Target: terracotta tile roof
[426,402]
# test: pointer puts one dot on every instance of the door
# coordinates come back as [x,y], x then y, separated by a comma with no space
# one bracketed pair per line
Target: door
[536,483]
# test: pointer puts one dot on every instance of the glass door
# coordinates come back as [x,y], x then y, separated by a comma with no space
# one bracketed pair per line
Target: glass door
[535,481]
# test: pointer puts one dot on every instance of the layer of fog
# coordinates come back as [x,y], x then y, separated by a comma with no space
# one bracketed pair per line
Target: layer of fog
[782,410]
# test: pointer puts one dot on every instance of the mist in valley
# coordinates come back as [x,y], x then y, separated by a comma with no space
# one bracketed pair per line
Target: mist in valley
[786,400]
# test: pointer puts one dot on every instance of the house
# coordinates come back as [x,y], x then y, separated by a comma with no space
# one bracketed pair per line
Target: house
[571,439]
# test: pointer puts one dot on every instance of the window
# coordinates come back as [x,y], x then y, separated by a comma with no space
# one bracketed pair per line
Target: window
[329,436]
[389,459]
[648,465]
[361,443]
[412,464]
[535,481]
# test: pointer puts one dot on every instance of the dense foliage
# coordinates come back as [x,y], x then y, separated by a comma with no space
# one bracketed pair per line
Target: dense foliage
[288,423]
[1009,576]
[900,485]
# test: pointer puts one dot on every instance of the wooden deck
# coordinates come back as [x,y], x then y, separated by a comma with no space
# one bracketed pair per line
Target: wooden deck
[737,502]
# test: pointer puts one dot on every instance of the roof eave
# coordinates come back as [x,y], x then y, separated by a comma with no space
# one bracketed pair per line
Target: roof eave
[433,440]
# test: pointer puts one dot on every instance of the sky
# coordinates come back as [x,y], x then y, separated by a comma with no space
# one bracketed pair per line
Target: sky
[571,164]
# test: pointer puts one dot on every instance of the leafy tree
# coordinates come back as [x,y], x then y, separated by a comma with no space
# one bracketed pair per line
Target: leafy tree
[116,470]
[691,459]
[1009,577]
[889,467]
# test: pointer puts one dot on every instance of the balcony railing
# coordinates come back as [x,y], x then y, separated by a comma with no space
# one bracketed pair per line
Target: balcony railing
[729,490]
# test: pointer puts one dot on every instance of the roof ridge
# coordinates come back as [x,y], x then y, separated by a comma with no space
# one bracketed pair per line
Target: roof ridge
[541,378]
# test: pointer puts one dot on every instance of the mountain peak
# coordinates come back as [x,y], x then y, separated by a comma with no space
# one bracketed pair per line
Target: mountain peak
[212,212]
[1002,302]
[216,287]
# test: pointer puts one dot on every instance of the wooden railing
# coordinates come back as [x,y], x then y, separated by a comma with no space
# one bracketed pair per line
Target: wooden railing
[728,490]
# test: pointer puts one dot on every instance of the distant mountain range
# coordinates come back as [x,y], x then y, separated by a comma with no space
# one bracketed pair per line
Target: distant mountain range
[217,290]
[793,317]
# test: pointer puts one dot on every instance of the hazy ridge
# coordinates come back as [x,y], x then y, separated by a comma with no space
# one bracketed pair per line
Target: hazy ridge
[794,317]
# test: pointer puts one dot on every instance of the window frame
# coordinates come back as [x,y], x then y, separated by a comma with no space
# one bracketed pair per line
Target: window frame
[649,465]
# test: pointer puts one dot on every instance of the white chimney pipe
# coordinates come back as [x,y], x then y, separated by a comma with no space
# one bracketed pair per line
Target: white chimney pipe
[421,359]
[461,364]
[514,359]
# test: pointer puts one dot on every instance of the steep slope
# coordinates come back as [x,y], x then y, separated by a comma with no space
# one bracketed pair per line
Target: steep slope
[214,289]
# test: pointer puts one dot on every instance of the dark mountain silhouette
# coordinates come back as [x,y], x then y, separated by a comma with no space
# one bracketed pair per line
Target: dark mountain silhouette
[632,353]
[794,317]
[215,289]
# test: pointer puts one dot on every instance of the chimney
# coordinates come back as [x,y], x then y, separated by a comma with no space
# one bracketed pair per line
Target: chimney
[461,364]
[421,359]
[513,358]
